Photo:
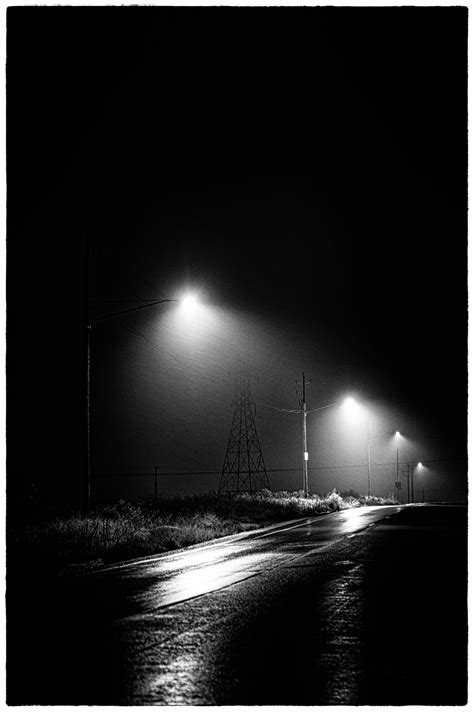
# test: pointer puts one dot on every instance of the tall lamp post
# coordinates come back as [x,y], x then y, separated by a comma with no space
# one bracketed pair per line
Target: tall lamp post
[369,461]
[418,468]
[365,416]
[408,483]
[410,480]
[354,406]
[86,485]
[398,484]
[368,457]
[305,442]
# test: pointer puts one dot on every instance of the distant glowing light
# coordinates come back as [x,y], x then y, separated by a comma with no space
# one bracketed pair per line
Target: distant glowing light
[306,456]
[397,433]
[420,464]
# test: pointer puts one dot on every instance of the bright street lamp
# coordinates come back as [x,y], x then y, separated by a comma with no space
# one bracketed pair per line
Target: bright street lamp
[411,469]
[410,481]
[353,408]
[421,469]
[188,301]
[348,403]
[398,484]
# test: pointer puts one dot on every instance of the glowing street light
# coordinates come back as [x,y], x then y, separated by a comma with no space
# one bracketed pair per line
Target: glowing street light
[398,484]
[421,469]
[189,301]
[411,470]
[410,480]
[349,404]
[353,408]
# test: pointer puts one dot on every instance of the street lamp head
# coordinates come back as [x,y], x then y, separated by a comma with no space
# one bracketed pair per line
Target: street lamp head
[397,434]
[352,407]
[189,301]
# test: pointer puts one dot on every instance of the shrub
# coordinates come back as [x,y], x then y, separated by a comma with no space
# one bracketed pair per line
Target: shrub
[130,529]
[350,494]
[372,500]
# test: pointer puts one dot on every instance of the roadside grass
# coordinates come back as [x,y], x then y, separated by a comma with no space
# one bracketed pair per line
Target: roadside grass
[131,529]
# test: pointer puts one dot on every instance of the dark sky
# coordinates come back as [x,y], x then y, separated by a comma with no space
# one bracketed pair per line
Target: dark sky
[303,169]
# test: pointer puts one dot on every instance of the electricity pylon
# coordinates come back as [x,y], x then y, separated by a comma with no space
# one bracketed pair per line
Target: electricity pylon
[244,468]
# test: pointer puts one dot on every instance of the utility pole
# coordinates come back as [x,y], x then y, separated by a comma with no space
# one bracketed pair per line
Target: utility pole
[398,484]
[368,457]
[398,468]
[410,485]
[305,442]
[86,475]
[155,484]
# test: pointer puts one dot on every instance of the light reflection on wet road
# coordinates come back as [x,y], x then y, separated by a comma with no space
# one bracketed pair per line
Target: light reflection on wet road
[343,609]
[172,578]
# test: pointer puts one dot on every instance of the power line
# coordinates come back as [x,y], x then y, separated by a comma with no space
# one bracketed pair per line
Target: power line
[188,473]
[280,410]
[119,301]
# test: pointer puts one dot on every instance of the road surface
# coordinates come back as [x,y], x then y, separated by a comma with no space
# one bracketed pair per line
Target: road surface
[364,606]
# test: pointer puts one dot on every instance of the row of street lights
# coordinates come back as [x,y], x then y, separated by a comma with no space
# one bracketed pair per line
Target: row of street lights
[189,301]
[352,405]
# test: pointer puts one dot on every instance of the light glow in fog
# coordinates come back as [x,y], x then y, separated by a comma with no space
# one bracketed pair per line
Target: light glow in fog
[189,302]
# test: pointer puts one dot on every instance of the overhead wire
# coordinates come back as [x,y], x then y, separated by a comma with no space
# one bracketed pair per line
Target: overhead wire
[182,471]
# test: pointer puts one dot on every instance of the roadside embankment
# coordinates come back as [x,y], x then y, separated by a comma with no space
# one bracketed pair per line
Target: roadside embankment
[131,529]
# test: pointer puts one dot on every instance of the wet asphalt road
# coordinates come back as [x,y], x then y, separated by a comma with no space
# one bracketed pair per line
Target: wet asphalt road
[365,606]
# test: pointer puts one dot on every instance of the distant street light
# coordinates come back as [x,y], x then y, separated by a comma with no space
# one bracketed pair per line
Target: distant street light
[419,470]
[354,408]
[410,484]
[188,301]
[305,443]
[410,468]
[398,484]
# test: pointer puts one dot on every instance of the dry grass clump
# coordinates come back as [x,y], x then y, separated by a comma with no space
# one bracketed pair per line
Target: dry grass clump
[126,530]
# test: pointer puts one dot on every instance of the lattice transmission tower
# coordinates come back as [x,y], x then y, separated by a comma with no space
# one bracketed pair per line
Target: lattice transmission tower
[244,467]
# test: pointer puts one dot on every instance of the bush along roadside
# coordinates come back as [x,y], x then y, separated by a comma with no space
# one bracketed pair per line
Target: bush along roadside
[131,529]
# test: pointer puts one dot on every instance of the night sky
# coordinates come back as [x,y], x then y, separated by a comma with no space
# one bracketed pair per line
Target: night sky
[303,171]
